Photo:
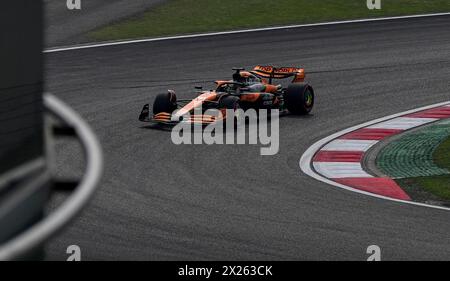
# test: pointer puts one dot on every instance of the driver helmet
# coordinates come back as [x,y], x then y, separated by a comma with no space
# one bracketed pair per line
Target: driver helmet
[245,77]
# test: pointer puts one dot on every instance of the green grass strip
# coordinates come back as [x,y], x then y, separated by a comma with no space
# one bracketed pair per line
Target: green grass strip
[196,16]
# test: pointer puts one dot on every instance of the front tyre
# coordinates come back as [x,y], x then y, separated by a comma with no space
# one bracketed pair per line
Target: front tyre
[299,98]
[165,103]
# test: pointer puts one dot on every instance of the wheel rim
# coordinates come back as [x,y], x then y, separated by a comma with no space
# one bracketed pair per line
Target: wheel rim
[309,99]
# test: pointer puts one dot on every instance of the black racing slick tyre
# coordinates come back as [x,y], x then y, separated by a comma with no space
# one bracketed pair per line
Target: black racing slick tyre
[299,98]
[165,103]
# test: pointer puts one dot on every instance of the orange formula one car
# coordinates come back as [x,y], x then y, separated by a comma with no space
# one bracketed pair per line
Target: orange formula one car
[247,89]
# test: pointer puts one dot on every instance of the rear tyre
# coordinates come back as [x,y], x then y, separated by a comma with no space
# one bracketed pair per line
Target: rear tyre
[299,98]
[165,103]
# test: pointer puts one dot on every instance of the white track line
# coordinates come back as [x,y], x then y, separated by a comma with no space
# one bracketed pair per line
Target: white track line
[116,43]
[306,159]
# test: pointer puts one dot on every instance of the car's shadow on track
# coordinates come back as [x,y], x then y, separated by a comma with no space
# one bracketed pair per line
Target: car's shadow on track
[157,127]
[168,128]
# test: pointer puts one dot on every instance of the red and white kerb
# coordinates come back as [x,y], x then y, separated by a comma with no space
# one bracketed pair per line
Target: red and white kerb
[341,159]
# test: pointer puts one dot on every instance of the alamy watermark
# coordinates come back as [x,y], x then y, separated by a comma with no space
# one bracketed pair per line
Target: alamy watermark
[374,252]
[236,126]
[73,4]
[374,4]
[76,4]
[74,253]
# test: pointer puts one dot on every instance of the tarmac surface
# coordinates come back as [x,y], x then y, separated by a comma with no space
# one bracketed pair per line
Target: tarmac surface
[160,201]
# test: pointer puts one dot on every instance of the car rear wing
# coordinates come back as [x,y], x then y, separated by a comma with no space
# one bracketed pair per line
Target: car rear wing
[271,72]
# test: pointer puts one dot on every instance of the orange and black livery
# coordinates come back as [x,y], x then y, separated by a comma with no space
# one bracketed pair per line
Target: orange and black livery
[247,89]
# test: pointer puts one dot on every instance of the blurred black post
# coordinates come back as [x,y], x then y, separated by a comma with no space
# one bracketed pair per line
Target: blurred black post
[22,166]
[21,81]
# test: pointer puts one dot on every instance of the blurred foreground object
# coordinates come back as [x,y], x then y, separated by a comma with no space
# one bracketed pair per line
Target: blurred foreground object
[28,123]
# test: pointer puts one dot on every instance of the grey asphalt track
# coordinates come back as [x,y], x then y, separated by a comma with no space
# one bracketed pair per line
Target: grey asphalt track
[64,26]
[160,201]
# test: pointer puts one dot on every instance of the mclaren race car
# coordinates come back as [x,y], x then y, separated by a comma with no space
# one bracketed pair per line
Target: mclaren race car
[247,89]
